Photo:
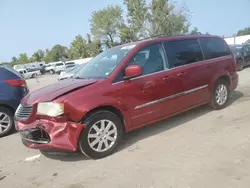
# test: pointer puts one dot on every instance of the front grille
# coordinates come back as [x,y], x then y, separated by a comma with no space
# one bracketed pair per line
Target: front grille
[23,112]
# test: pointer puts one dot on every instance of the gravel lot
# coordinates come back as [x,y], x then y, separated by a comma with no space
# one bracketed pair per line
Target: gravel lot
[198,149]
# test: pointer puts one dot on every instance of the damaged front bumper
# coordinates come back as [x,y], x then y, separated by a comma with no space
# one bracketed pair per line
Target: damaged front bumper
[50,135]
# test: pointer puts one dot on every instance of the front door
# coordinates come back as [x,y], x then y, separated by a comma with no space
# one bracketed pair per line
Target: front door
[145,96]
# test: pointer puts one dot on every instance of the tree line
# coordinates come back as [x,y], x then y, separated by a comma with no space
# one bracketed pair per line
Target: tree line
[109,27]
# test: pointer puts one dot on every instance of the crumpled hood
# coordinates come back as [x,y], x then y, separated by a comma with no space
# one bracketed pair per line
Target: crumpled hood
[55,90]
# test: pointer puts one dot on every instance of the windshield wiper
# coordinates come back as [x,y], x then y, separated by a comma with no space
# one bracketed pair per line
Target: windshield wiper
[78,77]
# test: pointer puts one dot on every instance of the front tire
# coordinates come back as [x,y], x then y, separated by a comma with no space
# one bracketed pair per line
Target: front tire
[220,95]
[102,134]
[6,121]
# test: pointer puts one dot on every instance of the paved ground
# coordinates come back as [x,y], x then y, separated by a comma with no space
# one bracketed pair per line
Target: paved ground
[198,149]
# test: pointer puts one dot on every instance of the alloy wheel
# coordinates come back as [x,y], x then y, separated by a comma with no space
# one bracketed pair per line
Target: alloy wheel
[5,122]
[221,94]
[102,135]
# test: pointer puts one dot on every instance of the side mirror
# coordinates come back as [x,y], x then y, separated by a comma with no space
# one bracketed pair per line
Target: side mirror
[132,71]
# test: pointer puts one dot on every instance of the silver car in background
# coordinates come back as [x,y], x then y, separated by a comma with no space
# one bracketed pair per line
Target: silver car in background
[69,71]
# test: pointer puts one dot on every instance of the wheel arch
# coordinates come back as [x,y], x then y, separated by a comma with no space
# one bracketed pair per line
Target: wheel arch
[221,76]
[109,108]
[240,58]
[8,107]
[225,78]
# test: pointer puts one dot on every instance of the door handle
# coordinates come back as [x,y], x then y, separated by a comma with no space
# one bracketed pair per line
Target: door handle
[181,74]
[166,78]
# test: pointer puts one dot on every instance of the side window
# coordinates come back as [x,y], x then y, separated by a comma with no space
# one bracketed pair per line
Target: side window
[183,52]
[213,48]
[150,58]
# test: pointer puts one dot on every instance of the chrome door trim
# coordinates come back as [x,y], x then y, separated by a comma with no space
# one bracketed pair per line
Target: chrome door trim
[170,97]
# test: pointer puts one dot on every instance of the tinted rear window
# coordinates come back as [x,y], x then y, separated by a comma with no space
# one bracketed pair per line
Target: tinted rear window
[59,64]
[183,52]
[213,47]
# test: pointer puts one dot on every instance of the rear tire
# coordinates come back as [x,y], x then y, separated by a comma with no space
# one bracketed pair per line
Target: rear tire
[102,134]
[220,95]
[240,65]
[52,72]
[7,125]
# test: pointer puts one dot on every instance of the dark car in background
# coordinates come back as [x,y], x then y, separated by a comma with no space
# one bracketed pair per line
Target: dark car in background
[241,54]
[13,89]
[42,69]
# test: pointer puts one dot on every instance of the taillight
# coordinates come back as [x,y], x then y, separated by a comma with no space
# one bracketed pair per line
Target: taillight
[16,83]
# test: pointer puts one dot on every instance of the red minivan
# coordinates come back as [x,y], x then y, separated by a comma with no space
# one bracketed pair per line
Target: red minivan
[124,88]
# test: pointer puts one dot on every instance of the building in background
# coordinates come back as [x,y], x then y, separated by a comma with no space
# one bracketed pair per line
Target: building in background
[238,40]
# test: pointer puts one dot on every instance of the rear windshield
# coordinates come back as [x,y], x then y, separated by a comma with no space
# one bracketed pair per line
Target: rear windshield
[59,64]
[70,63]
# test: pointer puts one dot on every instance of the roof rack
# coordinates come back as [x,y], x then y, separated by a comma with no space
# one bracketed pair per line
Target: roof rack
[163,35]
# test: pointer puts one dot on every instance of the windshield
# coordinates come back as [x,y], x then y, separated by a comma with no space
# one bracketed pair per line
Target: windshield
[235,49]
[103,65]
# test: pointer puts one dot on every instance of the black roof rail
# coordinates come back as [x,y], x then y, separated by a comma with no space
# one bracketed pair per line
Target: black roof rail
[154,36]
[163,35]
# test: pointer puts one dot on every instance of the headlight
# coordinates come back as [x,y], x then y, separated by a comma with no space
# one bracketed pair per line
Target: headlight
[50,109]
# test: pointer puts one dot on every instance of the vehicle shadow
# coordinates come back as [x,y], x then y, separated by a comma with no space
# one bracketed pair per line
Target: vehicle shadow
[133,137]
[65,156]
[145,132]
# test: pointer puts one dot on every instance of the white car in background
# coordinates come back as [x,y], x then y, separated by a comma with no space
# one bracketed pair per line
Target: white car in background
[49,67]
[30,73]
[69,71]
[55,67]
